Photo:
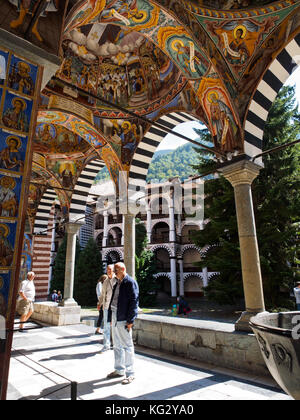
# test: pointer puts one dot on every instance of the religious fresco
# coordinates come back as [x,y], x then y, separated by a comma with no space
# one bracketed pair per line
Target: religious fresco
[230,4]
[56,141]
[37,21]
[27,255]
[19,85]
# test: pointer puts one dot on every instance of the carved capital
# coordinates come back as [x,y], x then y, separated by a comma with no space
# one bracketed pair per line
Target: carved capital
[73,228]
[240,173]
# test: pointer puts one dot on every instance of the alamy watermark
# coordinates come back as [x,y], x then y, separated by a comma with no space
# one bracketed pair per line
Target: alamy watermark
[137,197]
[2,328]
[296,328]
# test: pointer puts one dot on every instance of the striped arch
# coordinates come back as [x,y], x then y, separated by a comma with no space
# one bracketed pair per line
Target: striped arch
[147,147]
[43,212]
[82,189]
[274,78]
[166,248]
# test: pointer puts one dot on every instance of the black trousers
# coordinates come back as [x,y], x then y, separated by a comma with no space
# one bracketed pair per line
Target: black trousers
[100,318]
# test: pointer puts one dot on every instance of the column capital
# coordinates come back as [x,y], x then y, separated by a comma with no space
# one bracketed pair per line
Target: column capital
[73,227]
[243,172]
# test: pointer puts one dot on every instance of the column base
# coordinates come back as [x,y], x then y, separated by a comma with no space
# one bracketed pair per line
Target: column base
[68,302]
[52,314]
[242,324]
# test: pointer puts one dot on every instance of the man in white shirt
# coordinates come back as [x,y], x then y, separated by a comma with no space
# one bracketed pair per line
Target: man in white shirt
[27,295]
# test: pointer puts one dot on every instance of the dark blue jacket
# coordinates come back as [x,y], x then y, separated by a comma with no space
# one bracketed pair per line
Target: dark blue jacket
[128,301]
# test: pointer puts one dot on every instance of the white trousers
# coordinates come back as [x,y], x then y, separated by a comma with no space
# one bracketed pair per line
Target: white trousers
[123,347]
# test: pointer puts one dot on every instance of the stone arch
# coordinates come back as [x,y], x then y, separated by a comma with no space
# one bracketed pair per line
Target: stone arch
[113,251]
[148,145]
[274,78]
[156,247]
[82,189]
[43,212]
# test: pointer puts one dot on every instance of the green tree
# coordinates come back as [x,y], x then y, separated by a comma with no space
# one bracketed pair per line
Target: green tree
[276,197]
[88,270]
[144,270]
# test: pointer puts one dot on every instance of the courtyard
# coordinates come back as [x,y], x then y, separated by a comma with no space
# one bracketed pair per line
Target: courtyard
[73,352]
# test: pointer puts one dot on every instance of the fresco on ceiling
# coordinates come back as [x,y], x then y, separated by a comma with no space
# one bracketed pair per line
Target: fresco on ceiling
[111,163]
[124,136]
[223,122]
[150,20]
[27,255]
[230,4]
[22,76]
[66,171]
[120,66]
[55,141]
[39,22]
[74,124]
[239,40]
[232,11]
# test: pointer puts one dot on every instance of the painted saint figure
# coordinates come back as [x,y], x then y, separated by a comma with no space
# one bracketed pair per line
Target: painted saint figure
[20,79]
[6,250]
[10,156]
[225,128]
[8,199]
[236,52]
[16,117]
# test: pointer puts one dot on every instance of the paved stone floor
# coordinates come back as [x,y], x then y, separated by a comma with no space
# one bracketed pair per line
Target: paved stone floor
[73,353]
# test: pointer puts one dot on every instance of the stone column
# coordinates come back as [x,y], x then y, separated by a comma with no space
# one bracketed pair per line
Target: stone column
[173,277]
[172,234]
[148,224]
[123,230]
[71,230]
[105,229]
[204,276]
[241,176]
[181,283]
[129,244]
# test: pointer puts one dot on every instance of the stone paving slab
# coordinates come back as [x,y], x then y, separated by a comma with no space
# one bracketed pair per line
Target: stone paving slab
[73,352]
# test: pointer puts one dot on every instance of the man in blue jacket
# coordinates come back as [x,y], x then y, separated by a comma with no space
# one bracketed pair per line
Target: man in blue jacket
[123,310]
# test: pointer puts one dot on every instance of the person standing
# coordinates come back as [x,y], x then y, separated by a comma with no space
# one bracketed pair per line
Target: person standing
[104,302]
[123,310]
[27,296]
[297,295]
[98,293]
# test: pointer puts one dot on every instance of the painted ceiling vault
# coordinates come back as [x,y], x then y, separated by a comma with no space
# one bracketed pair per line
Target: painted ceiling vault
[128,65]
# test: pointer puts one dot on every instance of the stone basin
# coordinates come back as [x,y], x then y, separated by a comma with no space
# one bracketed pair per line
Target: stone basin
[278,335]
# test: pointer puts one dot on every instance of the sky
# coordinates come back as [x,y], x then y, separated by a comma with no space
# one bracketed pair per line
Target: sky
[172,142]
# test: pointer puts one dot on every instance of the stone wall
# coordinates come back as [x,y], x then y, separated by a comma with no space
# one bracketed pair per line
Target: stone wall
[53,314]
[210,342]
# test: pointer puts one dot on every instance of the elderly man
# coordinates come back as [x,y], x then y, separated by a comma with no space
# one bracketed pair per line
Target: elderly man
[123,310]
[27,295]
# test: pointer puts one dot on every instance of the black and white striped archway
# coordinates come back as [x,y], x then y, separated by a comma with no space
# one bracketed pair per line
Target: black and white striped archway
[274,78]
[82,189]
[147,147]
[43,212]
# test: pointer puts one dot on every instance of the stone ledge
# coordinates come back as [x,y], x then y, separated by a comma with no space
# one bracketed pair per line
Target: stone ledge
[53,314]
[212,342]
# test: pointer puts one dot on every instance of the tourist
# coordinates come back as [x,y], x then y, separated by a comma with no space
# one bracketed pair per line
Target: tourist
[104,302]
[98,293]
[54,296]
[27,295]
[123,310]
[59,296]
[297,295]
[182,306]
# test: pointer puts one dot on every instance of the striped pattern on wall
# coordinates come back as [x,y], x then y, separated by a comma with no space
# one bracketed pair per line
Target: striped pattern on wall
[43,212]
[82,189]
[147,147]
[274,78]
[42,245]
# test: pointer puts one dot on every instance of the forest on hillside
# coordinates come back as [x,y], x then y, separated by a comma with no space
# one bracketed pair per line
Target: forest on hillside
[166,164]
